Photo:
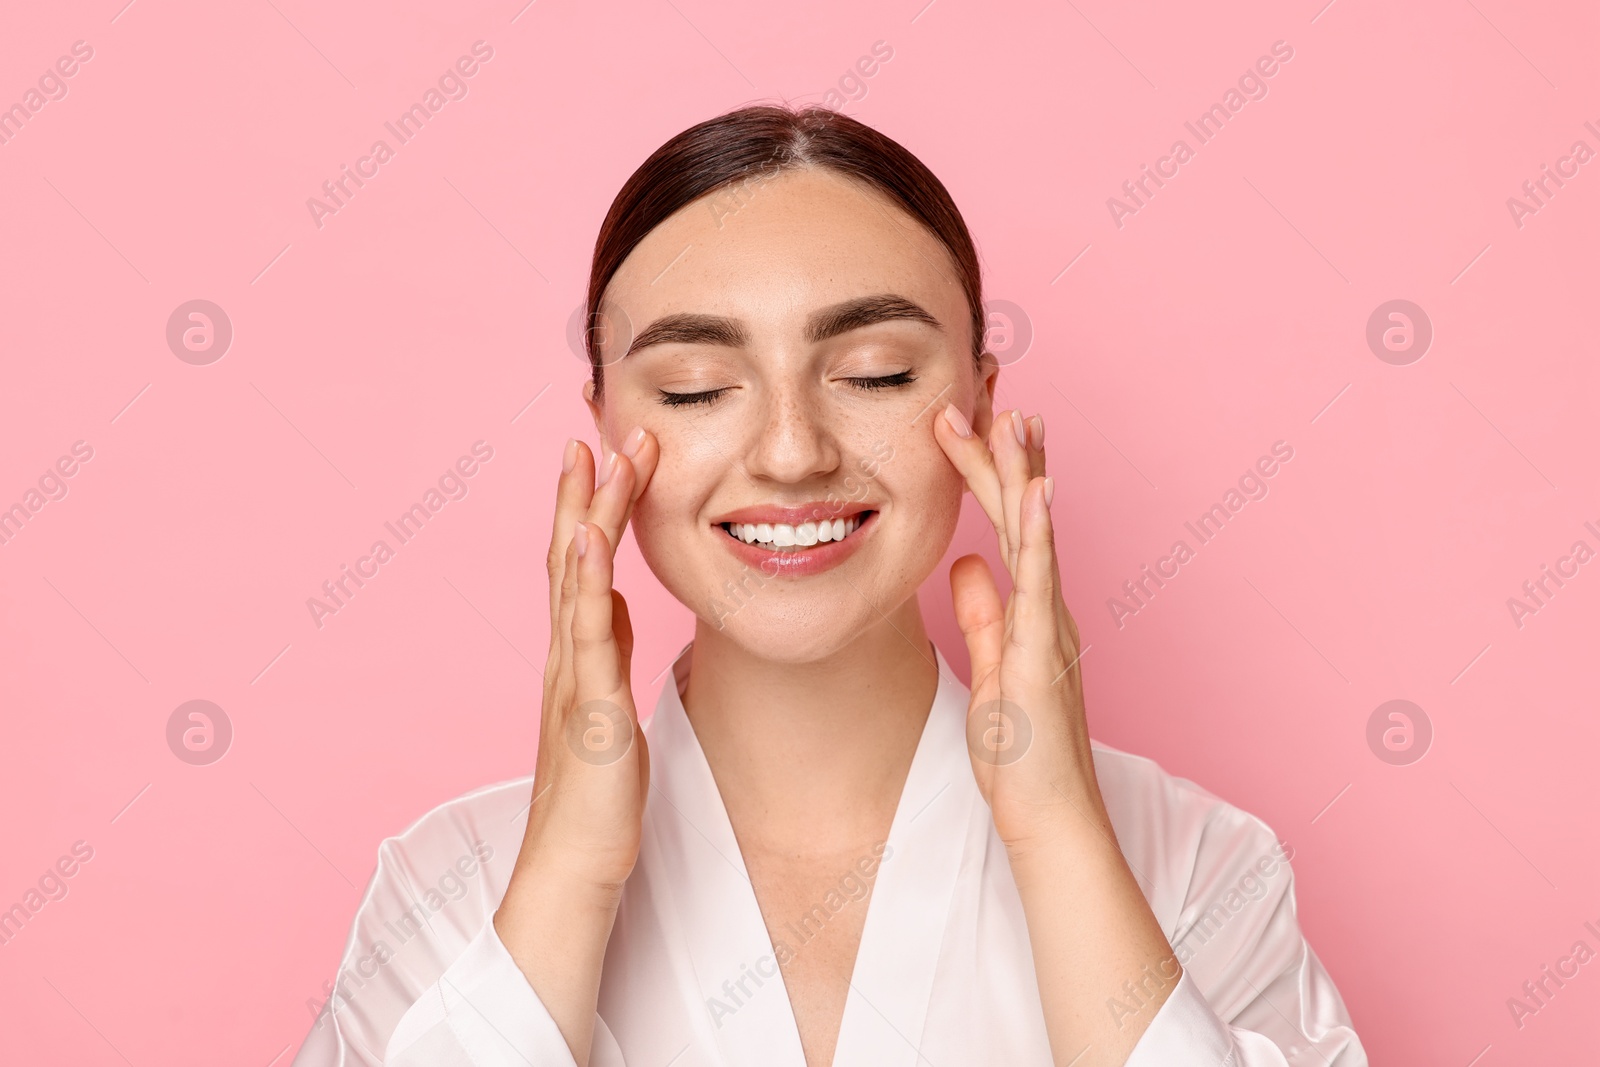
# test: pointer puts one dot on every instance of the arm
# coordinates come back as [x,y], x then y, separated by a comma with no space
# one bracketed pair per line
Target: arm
[1096,943]
[518,985]
[584,824]
[1089,925]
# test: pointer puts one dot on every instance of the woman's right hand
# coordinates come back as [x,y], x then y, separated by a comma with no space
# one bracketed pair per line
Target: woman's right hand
[592,773]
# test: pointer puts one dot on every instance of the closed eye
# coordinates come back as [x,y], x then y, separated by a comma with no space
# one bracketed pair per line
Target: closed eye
[674,400]
[710,396]
[887,381]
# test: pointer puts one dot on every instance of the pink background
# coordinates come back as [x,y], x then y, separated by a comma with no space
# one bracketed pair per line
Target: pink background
[1228,313]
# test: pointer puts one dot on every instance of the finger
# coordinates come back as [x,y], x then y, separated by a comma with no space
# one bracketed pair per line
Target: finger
[622,477]
[596,663]
[645,456]
[1008,439]
[979,613]
[622,627]
[1068,635]
[561,636]
[1036,626]
[973,460]
[1069,629]
[1070,646]
[1035,425]
[574,491]
[613,490]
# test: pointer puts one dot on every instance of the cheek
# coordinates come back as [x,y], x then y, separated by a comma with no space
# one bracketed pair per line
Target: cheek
[654,523]
[927,491]
[931,475]
[946,489]
[663,540]
[665,520]
[647,518]
[946,514]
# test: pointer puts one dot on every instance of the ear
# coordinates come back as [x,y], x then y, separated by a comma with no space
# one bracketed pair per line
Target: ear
[988,376]
[596,412]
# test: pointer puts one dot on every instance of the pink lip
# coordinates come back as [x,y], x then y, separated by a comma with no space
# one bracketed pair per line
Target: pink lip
[796,562]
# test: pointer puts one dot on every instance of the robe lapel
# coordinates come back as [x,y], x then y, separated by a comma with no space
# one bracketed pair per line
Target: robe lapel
[709,915]
[909,909]
[734,972]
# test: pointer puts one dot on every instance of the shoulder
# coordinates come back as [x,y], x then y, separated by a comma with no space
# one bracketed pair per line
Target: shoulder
[437,883]
[471,839]
[1184,843]
[488,820]
[1218,880]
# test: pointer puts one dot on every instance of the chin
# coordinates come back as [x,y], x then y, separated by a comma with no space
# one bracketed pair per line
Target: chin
[783,619]
[790,637]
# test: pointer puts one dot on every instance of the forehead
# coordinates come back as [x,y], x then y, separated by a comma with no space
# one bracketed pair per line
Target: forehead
[774,247]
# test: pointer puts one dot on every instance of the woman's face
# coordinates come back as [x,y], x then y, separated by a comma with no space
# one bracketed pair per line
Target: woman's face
[792,341]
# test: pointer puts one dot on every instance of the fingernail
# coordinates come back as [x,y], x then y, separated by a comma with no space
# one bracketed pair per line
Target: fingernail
[634,440]
[1036,431]
[607,469]
[1049,490]
[569,457]
[1017,425]
[580,538]
[957,421]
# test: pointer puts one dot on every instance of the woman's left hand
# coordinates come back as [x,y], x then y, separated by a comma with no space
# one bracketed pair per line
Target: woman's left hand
[1026,730]
[1030,751]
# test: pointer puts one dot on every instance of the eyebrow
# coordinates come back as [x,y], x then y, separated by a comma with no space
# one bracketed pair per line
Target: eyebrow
[695,329]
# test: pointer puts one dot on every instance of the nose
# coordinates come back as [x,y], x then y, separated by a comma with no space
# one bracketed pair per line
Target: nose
[794,440]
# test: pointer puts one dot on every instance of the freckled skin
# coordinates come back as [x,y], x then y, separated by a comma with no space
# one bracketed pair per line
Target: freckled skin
[791,430]
[809,705]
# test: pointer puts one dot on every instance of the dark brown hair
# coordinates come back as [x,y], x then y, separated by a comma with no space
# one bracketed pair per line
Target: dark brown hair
[754,144]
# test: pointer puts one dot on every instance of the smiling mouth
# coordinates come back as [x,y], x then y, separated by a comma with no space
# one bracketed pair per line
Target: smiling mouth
[782,537]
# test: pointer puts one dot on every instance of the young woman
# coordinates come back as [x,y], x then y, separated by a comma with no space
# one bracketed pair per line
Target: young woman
[823,848]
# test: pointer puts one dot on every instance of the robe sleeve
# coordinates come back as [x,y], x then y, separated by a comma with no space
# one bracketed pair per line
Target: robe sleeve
[481,1013]
[1252,992]
[424,978]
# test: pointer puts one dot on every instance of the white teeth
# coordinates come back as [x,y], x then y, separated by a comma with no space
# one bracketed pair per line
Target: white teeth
[783,535]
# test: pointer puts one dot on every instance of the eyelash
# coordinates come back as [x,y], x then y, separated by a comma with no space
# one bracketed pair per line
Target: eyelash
[678,400]
[710,396]
[887,381]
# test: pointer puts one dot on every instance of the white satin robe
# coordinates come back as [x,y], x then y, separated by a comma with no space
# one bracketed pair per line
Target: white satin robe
[944,975]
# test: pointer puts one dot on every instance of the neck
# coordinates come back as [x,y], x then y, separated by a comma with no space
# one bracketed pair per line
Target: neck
[812,757]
